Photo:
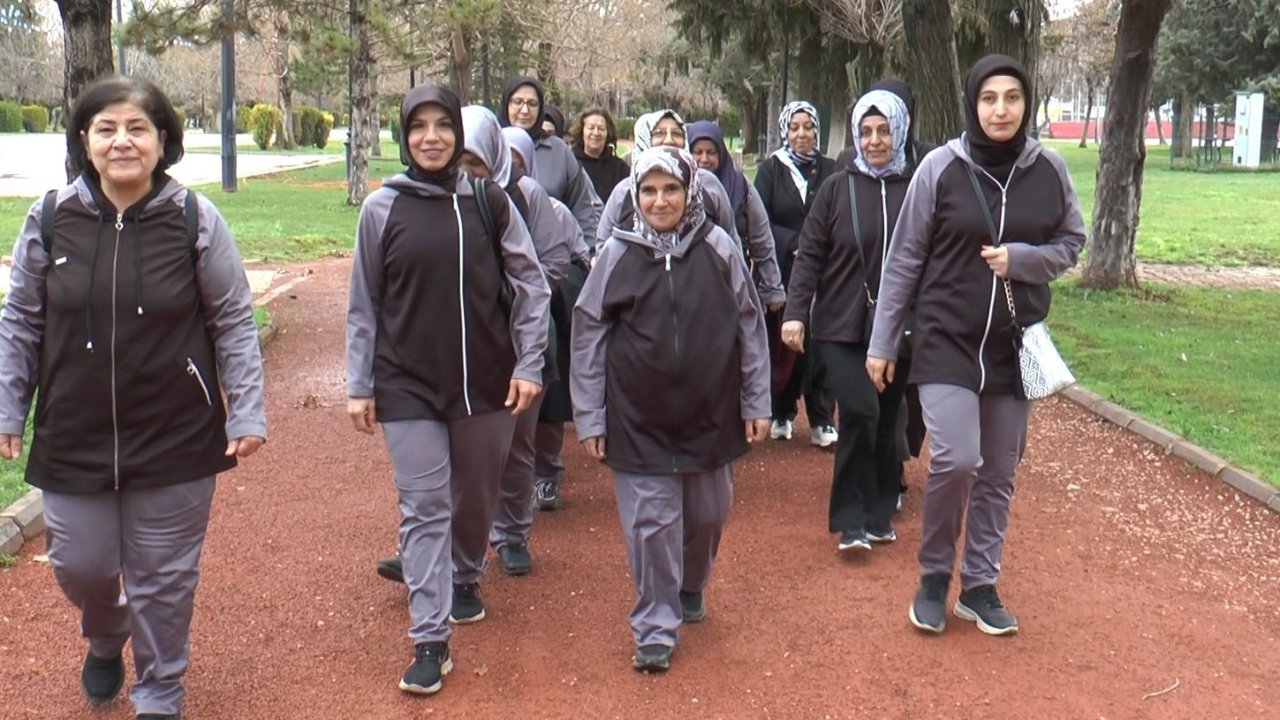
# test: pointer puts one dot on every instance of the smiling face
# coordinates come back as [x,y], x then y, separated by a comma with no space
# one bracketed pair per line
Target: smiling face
[876,140]
[123,145]
[1001,106]
[523,108]
[667,132]
[706,155]
[595,134]
[802,133]
[431,137]
[662,200]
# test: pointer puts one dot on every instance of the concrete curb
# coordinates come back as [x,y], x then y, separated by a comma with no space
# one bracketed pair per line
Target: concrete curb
[24,519]
[1178,446]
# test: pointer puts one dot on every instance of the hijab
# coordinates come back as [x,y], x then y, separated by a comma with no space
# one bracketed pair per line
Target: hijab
[647,122]
[556,117]
[997,158]
[891,108]
[446,177]
[734,182]
[519,142]
[504,115]
[679,164]
[784,122]
[485,141]
[903,91]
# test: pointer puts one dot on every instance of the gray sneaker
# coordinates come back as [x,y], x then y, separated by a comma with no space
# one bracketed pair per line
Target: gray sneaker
[652,658]
[982,605]
[546,496]
[928,611]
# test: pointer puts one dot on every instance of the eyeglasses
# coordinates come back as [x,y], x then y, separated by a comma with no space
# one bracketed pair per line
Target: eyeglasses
[522,103]
[660,135]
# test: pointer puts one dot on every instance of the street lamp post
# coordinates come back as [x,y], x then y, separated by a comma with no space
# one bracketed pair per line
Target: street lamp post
[229,97]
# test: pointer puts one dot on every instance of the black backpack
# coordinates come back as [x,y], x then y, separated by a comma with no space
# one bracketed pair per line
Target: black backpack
[190,211]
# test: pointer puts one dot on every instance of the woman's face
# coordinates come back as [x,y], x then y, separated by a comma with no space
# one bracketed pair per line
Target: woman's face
[523,108]
[876,140]
[473,165]
[431,137]
[707,155]
[595,133]
[517,162]
[662,200]
[1001,105]
[123,144]
[802,134]
[667,132]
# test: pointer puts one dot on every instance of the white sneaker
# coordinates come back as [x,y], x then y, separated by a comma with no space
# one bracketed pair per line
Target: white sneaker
[781,430]
[824,436]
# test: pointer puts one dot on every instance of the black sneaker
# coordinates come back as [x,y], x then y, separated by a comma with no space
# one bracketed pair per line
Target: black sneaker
[430,664]
[546,496]
[391,568]
[928,611]
[652,658]
[882,536]
[693,609]
[467,605]
[515,558]
[853,540]
[982,605]
[102,678]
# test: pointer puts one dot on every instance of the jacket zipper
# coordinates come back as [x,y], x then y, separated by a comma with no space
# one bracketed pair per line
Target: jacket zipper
[194,372]
[462,308]
[115,415]
[675,330]
[991,306]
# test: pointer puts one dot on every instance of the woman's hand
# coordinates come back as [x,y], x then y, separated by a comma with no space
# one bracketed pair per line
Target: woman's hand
[521,395]
[758,430]
[244,446]
[793,335]
[10,446]
[595,447]
[775,307]
[363,414]
[880,370]
[997,259]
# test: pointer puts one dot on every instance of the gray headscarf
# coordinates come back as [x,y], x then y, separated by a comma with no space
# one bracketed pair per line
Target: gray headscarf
[518,141]
[895,111]
[679,164]
[484,140]
[647,122]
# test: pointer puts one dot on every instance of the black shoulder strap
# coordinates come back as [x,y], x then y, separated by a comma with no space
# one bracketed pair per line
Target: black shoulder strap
[480,188]
[857,238]
[191,213]
[986,209]
[47,209]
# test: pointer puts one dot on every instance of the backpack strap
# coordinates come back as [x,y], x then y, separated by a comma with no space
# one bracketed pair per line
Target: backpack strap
[505,293]
[857,240]
[191,213]
[47,209]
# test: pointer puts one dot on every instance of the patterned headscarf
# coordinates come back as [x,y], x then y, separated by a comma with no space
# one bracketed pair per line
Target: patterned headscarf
[485,141]
[647,122]
[894,110]
[518,141]
[679,164]
[784,122]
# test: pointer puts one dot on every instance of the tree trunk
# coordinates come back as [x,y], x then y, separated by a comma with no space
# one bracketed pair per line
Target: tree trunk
[284,84]
[486,73]
[1118,196]
[1013,29]
[1088,113]
[361,105]
[1270,126]
[747,111]
[1159,125]
[375,118]
[86,37]
[932,69]
[1047,94]
[771,118]
[1184,116]
[460,59]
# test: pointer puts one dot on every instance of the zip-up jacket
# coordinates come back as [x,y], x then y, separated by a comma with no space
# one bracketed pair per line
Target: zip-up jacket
[963,335]
[605,172]
[828,272]
[426,333]
[720,211]
[787,206]
[131,340]
[669,353]
[560,173]
[551,240]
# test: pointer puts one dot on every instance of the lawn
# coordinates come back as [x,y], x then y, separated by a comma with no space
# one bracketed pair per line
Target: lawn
[1202,363]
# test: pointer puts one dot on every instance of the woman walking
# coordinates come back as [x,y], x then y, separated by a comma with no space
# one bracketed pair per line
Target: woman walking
[989,220]
[130,312]
[446,329]
[834,284]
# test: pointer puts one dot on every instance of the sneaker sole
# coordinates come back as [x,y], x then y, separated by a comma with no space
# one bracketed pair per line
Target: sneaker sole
[883,539]
[964,613]
[911,613]
[517,571]
[549,506]
[96,700]
[686,617]
[445,669]
[862,546]
[467,620]
[652,665]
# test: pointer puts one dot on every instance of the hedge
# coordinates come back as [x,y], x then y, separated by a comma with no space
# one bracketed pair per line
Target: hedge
[10,117]
[626,128]
[262,121]
[35,118]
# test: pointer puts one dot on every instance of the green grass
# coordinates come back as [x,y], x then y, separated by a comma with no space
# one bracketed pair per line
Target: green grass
[1202,363]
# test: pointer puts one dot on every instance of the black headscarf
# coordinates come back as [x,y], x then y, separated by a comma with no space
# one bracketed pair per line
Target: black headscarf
[446,177]
[556,117]
[504,112]
[997,158]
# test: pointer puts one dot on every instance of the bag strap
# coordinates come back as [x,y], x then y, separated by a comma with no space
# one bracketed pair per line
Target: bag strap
[191,214]
[857,240]
[995,240]
[47,209]
[479,187]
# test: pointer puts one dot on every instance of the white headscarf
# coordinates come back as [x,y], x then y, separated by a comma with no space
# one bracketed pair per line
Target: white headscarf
[679,164]
[518,141]
[895,111]
[483,138]
[647,122]
[784,123]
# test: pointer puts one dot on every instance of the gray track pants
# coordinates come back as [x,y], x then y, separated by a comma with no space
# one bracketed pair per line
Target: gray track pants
[514,519]
[446,478]
[672,525]
[975,443]
[548,464]
[150,538]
